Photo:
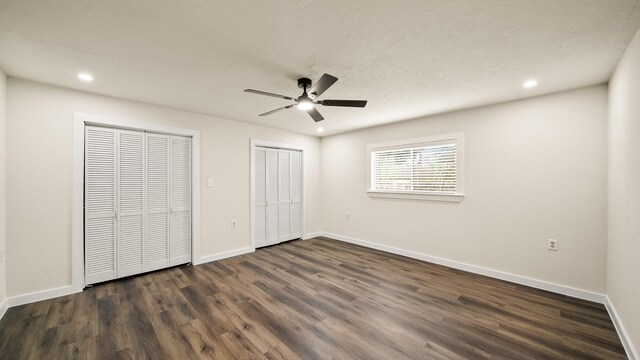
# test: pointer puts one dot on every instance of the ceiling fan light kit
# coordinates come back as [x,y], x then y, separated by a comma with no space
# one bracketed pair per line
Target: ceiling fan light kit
[306,101]
[305,105]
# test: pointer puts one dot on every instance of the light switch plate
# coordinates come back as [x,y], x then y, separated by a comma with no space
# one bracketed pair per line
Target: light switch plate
[210,182]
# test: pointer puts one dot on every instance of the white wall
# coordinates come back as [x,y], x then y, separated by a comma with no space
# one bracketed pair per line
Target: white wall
[535,169]
[39,162]
[623,266]
[3,172]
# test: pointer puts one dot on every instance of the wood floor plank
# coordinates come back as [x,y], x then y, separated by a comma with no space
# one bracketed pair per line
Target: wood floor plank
[281,352]
[313,299]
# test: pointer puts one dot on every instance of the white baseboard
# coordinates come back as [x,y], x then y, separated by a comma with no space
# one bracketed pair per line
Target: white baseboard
[522,280]
[632,353]
[312,235]
[223,255]
[41,295]
[4,307]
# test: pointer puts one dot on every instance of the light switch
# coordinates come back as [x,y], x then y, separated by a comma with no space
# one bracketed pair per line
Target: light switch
[210,182]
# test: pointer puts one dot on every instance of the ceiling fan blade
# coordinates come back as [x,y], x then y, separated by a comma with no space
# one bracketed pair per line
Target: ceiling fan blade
[323,84]
[258,92]
[315,115]
[347,103]
[276,110]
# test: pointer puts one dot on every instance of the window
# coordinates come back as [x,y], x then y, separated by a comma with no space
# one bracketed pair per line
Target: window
[426,168]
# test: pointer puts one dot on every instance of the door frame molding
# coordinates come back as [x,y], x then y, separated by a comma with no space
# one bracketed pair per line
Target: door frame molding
[77,190]
[276,145]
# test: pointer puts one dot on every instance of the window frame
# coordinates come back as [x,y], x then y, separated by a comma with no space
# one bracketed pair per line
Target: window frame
[458,196]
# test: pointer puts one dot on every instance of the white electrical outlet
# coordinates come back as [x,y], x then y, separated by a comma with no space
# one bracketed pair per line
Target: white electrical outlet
[348,216]
[210,182]
[234,224]
[552,244]
[1,256]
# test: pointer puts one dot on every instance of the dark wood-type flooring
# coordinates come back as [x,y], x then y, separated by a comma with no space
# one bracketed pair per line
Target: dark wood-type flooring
[314,299]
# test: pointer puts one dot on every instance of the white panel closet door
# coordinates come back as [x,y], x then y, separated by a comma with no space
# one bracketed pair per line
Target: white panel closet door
[284,195]
[260,194]
[271,185]
[137,202]
[277,195]
[100,204]
[180,206]
[295,211]
[130,187]
[157,225]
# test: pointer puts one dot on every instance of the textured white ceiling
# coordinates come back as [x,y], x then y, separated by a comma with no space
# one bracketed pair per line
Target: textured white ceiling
[408,58]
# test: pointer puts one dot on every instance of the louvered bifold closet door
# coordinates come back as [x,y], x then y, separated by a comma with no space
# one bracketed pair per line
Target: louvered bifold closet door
[100,204]
[271,185]
[284,195]
[180,197]
[157,226]
[295,210]
[130,223]
[260,186]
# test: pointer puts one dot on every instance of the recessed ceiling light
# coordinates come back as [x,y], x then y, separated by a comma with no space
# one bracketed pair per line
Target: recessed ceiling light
[85,77]
[320,130]
[530,83]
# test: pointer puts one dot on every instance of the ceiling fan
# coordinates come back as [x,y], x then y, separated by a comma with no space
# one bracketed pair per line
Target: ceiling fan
[307,101]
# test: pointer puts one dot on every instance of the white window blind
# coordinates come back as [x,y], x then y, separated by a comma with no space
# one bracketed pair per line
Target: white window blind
[420,167]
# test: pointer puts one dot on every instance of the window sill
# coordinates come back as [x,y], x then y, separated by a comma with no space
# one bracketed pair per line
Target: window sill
[416,196]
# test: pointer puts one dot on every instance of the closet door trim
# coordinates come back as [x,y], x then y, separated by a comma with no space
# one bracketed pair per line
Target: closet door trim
[275,145]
